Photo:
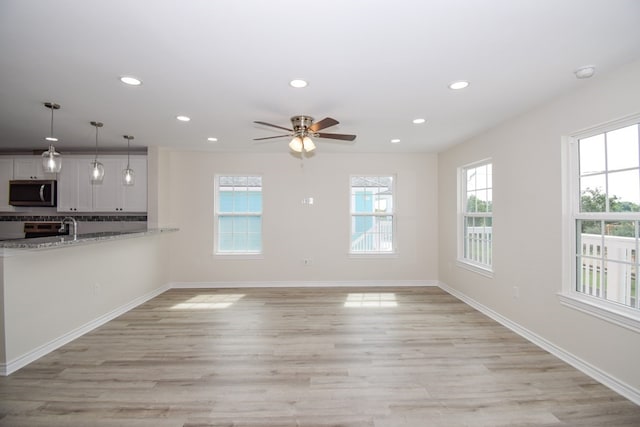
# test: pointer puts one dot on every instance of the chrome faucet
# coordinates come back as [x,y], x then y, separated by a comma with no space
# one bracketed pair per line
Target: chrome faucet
[73,222]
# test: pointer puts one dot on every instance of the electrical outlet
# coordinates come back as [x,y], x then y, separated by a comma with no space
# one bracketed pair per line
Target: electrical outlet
[96,288]
[516,292]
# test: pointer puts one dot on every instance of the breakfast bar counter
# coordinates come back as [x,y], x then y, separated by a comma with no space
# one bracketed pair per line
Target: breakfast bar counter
[69,240]
[54,289]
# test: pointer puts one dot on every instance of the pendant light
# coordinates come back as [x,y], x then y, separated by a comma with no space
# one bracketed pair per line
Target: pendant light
[128,175]
[97,168]
[51,160]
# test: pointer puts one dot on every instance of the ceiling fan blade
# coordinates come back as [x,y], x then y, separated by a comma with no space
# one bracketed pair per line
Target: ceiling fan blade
[273,126]
[340,136]
[270,137]
[322,124]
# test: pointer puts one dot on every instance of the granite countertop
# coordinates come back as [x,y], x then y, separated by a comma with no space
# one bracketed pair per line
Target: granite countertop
[62,241]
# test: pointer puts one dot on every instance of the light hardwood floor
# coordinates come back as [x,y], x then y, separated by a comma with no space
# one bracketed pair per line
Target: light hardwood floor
[300,357]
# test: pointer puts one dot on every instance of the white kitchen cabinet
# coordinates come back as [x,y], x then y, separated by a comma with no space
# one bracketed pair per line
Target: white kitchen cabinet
[30,167]
[112,196]
[6,175]
[75,193]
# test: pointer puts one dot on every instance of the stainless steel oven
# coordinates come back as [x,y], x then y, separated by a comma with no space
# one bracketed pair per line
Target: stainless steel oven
[44,229]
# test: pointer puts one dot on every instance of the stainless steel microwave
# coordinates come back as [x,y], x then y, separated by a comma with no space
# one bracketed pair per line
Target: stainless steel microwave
[33,192]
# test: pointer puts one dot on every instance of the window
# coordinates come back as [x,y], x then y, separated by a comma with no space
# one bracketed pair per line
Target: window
[372,215]
[605,217]
[476,215]
[239,214]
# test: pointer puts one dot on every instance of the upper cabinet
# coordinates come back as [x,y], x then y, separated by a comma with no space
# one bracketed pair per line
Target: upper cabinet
[112,195]
[30,167]
[75,193]
[6,175]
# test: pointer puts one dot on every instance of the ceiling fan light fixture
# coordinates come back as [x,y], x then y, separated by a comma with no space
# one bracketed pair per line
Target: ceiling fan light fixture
[307,144]
[296,144]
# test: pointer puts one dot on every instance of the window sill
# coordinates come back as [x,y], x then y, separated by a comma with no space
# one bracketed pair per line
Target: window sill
[621,316]
[483,271]
[373,255]
[238,256]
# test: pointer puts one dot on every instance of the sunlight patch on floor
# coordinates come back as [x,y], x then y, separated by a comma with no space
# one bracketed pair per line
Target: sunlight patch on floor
[208,302]
[371,299]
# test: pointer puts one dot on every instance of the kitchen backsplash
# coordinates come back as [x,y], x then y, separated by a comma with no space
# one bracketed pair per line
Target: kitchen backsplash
[87,218]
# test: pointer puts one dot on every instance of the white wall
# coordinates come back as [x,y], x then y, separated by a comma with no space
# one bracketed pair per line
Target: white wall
[293,231]
[528,203]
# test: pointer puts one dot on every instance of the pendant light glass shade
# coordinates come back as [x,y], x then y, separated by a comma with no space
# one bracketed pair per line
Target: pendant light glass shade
[97,172]
[97,168]
[128,175]
[51,160]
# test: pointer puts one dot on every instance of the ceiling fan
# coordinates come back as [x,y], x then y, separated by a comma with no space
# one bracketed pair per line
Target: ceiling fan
[304,129]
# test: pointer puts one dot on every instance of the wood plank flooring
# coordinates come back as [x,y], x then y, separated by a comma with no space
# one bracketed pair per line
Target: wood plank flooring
[300,357]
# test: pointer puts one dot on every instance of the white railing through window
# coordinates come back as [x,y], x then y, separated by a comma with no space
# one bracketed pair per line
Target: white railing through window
[607,268]
[377,238]
[477,244]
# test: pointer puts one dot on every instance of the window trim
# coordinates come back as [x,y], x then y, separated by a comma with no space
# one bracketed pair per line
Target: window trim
[461,261]
[394,215]
[217,214]
[568,296]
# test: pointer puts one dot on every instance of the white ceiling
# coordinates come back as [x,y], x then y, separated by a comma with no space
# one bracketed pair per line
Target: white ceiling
[373,65]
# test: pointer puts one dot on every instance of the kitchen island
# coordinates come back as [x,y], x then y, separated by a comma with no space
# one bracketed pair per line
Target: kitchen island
[55,289]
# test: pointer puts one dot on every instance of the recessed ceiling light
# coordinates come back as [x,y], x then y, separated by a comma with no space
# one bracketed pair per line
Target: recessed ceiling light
[458,85]
[183,118]
[298,83]
[395,141]
[418,121]
[132,81]
[212,139]
[585,72]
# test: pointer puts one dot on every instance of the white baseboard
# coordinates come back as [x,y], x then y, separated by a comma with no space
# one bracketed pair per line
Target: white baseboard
[602,377]
[303,284]
[25,359]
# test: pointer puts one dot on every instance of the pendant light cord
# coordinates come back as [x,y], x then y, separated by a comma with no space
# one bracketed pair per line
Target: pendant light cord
[96,159]
[51,134]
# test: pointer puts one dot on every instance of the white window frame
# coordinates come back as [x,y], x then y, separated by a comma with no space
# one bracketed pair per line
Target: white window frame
[569,296]
[485,269]
[394,211]
[216,214]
